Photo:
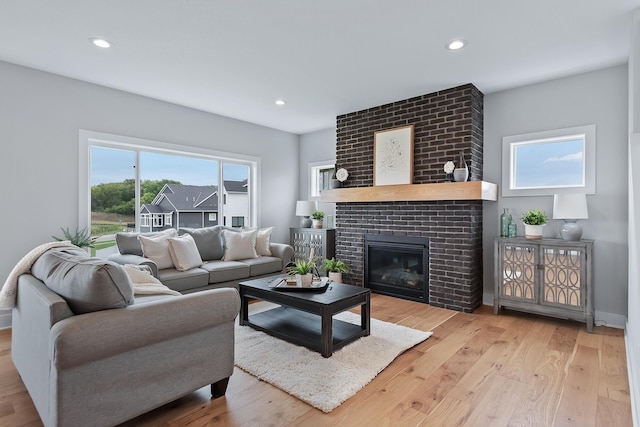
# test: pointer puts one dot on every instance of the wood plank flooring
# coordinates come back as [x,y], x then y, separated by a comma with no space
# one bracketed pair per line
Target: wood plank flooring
[476,370]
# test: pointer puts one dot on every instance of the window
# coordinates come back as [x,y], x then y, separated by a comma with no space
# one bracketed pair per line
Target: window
[213,217]
[237,221]
[133,181]
[550,162]
[320,174]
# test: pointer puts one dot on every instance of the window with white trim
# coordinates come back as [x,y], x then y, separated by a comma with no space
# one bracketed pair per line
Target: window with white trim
[158,220]
[320,174]
[168,219]
[549,162]
[144,220]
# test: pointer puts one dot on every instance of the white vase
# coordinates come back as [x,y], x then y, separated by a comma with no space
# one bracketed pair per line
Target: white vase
[317,223]
[335,276]
[304,280]
[533,231]
[460,174]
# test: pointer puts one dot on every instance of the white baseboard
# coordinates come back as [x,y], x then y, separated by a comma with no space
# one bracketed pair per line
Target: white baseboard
[634,391]
[5,320]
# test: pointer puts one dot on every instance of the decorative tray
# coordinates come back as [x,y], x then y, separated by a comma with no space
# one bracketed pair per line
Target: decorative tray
[316,286]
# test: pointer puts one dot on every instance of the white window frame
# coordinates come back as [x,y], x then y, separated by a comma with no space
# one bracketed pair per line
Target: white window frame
[213,216]
[157,220]
[87,139]
[510,144]
[168,219]
[144,220]
[314,176]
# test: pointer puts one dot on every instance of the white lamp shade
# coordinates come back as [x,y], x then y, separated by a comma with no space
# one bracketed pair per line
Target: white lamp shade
[570,206]
[305,207]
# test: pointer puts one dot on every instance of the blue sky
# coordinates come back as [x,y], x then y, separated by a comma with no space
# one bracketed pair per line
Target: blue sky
[549,164]
[113,165]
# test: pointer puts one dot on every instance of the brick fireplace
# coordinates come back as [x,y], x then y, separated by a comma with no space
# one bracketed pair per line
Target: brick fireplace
[445,123]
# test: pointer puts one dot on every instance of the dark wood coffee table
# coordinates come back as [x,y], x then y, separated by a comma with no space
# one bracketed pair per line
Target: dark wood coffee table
[306,318]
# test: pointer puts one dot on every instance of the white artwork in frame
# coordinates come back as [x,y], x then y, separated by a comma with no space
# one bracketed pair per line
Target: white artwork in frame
[393,156]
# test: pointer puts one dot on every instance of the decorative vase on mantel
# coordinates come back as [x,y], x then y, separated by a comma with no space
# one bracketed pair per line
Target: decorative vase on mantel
[461,173]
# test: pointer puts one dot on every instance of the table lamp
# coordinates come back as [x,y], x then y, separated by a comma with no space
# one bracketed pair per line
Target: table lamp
[305,208]
[570,208]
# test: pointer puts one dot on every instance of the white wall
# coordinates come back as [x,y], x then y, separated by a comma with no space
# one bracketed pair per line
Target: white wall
[316,147]
[599,98]
[40,115]
[633,321]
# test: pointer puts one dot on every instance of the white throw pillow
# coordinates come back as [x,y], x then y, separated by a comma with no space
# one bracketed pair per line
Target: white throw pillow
[239,245]
[184,252]
[156,248]
[263,240]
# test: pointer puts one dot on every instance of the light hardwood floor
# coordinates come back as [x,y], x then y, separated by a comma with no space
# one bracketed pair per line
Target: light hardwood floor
[476,370]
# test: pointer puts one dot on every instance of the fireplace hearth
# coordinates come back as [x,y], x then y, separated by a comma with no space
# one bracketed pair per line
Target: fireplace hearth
[397,266]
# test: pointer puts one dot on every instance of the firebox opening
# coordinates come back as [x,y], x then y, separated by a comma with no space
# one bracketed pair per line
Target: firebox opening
[397,266]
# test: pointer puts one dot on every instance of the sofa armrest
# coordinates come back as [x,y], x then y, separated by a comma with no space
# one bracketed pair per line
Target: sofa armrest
[93,336]
[282,251]
[134,259]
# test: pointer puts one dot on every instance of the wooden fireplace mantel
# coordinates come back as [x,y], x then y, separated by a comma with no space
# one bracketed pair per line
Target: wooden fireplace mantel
[470,190]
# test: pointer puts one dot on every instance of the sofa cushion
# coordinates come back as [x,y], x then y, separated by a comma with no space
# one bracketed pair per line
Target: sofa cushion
[263,240]
[156,248]
[128,243]
[239,245]
[183,280]
[87,284]
[263,265]
[184,252]
[208,240]
[224,271]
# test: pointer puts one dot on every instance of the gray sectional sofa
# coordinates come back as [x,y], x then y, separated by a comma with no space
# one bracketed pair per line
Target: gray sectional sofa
[90,354]
[216,271]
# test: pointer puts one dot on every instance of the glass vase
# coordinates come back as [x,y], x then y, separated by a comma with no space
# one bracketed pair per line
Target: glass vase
[505,220]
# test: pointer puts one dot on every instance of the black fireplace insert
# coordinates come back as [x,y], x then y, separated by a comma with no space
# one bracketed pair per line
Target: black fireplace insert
[397,266]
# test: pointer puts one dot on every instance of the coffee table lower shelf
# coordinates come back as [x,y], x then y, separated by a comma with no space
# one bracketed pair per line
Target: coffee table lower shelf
[302,328]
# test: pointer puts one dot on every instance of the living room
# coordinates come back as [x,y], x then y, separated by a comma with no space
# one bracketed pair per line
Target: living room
[42,113]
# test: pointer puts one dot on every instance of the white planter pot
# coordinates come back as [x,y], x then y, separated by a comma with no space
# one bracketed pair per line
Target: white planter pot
[533,231]
[304,280]
[317,223]
[335,276]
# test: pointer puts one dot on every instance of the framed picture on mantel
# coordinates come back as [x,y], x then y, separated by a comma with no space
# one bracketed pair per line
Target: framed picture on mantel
[393,156]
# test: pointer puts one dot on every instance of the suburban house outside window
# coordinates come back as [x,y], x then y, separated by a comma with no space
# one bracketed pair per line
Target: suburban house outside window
[549,162]
[237,221]
[139,185]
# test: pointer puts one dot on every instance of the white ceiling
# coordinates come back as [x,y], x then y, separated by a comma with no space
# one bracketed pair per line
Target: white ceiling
[324,57]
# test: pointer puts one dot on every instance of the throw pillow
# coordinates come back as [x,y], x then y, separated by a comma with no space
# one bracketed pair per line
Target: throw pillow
[208,240]
[86,284]
[128,242]
[239,245]
[156,248]
[184,252]
[263,240]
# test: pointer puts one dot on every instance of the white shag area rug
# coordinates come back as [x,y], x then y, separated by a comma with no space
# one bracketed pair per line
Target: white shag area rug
[324,383]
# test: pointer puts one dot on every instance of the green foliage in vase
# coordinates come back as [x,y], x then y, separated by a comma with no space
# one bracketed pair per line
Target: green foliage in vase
[534,217]
[81,238]
[336,266]
[317,215]
[302,267]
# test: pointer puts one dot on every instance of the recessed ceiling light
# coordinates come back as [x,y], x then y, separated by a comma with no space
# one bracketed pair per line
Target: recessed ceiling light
[101,43]
[280,102]
[456,44]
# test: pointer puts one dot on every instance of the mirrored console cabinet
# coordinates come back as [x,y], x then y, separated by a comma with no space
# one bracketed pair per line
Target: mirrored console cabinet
[315,243]
[552,277]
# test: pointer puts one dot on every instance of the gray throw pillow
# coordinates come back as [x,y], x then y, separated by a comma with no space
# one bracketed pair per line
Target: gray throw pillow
[208,241]
[87,284]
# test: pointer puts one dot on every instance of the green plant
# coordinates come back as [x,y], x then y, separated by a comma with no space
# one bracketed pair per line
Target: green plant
[81,238]
[336,266]
[317,215]
[301,267]
[534,217]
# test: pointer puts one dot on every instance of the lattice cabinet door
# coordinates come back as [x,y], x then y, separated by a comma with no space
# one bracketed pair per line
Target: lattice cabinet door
[313,243]
[549,276]
[517,272]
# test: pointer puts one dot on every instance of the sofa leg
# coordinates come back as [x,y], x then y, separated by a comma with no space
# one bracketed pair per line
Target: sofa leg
[218,389]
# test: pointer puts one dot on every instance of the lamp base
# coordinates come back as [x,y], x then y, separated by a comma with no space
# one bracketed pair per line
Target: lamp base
[305,222]
[571,230]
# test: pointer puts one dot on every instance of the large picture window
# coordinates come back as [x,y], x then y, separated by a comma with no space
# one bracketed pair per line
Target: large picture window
[550,162]
[140,185]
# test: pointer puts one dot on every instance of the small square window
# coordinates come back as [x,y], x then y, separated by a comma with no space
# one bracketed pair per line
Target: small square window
[550,162]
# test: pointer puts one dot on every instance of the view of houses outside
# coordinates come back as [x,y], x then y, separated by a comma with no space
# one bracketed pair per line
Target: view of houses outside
[175,191]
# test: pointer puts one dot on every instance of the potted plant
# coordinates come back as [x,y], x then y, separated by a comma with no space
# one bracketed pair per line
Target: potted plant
[317,217]
[303,272]
[533,221]
[335,268]
[81,238]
